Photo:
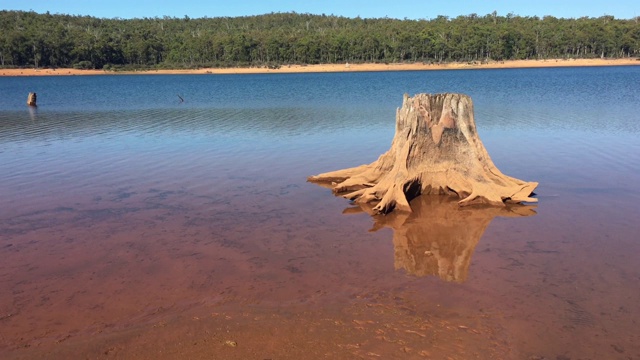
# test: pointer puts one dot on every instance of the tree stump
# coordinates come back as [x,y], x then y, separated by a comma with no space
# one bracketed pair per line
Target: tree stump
[31,99]
[435,150]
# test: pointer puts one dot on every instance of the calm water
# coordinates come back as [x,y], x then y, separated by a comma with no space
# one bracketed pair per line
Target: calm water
[130,218]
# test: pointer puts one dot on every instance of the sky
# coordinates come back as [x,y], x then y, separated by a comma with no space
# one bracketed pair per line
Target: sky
[400,9]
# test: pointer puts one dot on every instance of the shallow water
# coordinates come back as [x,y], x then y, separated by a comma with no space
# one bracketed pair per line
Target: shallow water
[138,226]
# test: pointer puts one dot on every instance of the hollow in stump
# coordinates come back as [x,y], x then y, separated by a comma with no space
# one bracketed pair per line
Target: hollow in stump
[436,150]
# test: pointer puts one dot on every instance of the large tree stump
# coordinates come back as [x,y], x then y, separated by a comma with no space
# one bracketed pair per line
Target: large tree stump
[436,150]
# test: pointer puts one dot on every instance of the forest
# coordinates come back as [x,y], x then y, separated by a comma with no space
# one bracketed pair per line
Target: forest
[29,39]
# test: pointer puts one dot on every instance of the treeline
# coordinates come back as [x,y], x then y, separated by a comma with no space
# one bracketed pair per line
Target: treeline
[29,39]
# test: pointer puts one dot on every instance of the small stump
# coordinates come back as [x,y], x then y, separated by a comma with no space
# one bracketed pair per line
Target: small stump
[31,99]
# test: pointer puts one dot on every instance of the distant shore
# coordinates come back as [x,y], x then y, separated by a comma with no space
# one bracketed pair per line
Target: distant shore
[327,68]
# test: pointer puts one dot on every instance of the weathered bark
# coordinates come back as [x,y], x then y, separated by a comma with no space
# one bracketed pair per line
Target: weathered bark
[439,238]
[31,99]
[436,150]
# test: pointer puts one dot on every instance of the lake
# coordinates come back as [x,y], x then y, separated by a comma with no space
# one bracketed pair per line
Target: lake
[137,225]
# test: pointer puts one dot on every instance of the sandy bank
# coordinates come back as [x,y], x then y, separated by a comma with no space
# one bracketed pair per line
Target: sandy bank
[511,64]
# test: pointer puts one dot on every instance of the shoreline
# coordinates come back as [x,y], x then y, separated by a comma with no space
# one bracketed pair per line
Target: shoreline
[330,68]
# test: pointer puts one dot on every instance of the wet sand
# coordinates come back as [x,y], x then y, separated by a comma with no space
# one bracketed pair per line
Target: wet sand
[326,68]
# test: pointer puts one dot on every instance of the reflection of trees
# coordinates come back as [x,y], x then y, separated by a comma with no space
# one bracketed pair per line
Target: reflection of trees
[439,237]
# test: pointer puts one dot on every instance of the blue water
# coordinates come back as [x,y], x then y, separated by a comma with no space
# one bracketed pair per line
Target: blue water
[238,149]
[537,123]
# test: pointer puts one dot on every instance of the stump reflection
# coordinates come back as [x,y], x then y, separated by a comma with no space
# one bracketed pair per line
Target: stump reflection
[439,237]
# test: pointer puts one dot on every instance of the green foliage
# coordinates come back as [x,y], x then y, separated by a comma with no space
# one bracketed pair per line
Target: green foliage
[271,40]
[83,65]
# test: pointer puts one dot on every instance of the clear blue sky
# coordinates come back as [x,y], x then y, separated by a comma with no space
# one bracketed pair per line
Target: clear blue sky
[412,9]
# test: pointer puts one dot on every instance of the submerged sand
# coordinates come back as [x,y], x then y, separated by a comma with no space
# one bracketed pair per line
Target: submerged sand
[321,68]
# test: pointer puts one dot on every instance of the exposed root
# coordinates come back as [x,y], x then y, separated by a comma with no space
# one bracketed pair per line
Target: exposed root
[392,200]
